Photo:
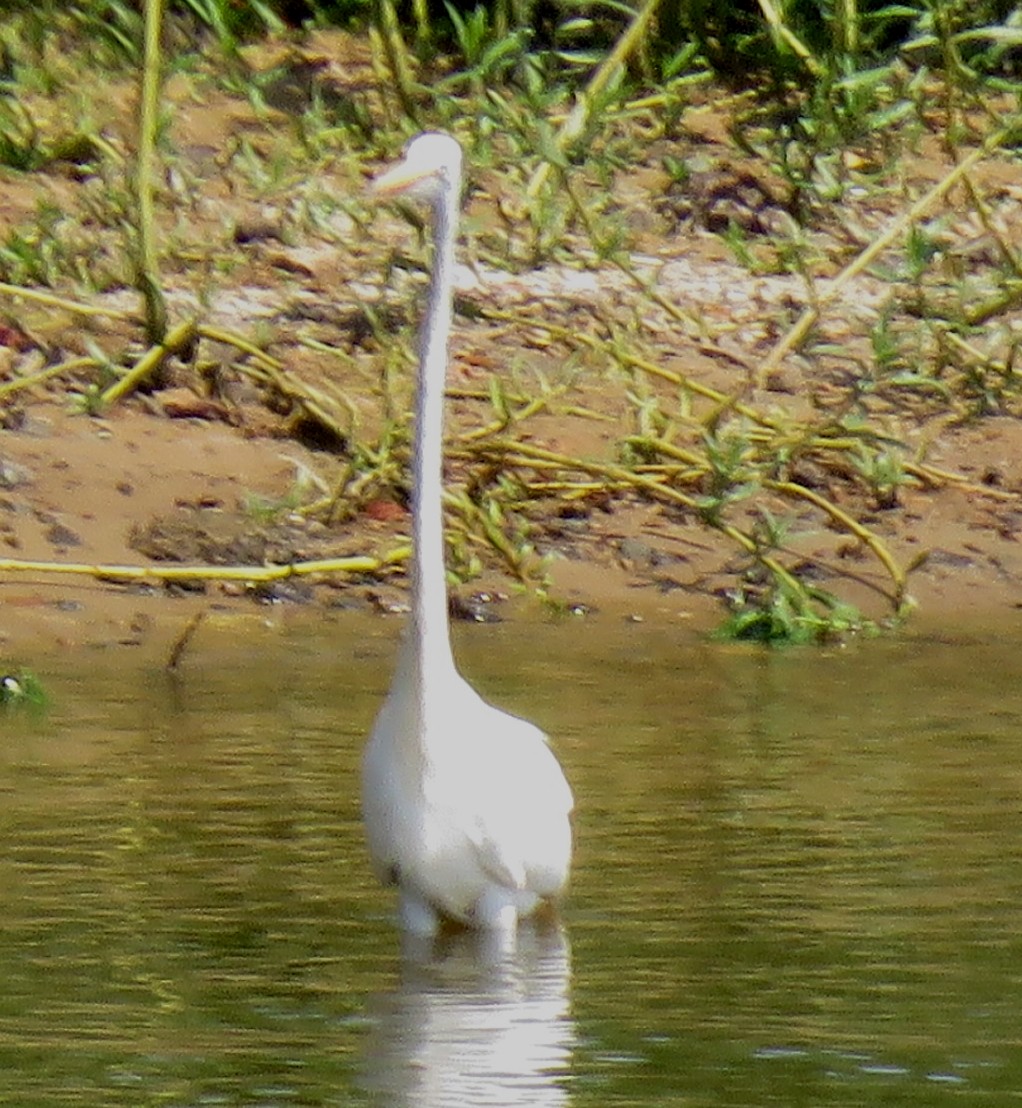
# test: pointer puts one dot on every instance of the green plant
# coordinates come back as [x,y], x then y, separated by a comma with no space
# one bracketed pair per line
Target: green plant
[487,55]
[883,472]
[231,22]
[777,614]
[22,690]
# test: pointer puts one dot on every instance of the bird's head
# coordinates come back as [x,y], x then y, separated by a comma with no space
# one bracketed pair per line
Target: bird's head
[431,165]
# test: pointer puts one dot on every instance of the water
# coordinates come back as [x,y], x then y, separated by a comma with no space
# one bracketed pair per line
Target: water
[798,881]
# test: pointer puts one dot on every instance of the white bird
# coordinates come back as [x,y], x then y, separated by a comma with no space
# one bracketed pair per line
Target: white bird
[466,808]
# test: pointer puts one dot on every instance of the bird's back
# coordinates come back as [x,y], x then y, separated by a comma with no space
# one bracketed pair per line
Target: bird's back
[475,801]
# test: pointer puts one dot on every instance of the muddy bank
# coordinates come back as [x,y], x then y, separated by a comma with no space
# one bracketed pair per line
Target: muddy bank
[572,380]
[138,488]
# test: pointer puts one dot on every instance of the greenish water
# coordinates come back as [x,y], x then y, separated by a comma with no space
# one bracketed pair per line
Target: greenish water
[798,881]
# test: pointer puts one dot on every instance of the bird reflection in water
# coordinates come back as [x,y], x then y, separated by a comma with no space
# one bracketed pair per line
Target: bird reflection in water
[473,1022]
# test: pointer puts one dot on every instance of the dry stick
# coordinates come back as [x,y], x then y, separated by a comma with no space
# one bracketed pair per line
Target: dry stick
[182,641]
[679,453]
[239,342]
[70,366]
[928,474]
[177,340]
[48,300]
[632,361]
[542,459]
[720,106]
[837,569]
[570,490]
[797,334]
[863,534]
[578,410]
[529,408]
[1000,302]
[934,476]
[274,372]
[388,28]
[982,209]
[782,33]
[976,356]
[522,454]
[848,27]
[147,277]
[649,484]
[968,351]
[423,30]
[359,563]
[793,489]
[607,71]
[680,380]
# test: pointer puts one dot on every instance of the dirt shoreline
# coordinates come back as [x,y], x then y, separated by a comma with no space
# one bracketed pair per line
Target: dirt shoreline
[82,490]
[264,233]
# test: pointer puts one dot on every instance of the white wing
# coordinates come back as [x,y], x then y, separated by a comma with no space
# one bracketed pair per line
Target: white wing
[482,802]
[514,800]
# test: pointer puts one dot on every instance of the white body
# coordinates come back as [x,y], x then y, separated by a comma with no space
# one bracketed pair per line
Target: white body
[466,808]
[469,816]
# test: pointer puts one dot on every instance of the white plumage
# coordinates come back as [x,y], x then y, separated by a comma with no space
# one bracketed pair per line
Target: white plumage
[465,806]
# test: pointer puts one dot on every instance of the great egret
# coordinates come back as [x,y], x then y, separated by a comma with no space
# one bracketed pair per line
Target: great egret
[466,808]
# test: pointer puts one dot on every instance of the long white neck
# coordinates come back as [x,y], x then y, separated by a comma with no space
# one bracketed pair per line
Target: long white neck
[427,646]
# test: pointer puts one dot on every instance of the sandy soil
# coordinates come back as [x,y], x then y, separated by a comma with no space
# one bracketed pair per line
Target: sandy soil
[171,475]
[136,488]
